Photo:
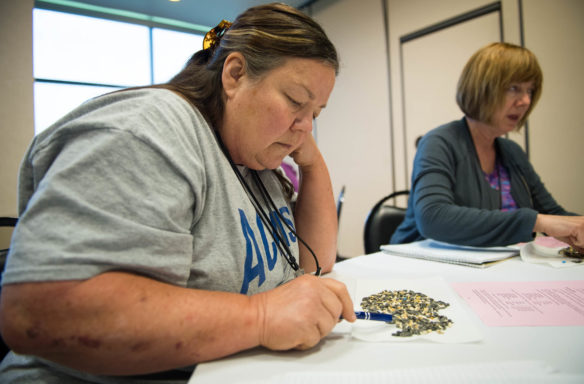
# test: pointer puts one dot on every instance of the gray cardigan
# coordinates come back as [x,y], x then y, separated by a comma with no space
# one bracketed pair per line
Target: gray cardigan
[451,201]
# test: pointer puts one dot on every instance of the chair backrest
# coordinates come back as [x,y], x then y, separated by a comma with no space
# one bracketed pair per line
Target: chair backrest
[340,201]
[381,222]
[9,222]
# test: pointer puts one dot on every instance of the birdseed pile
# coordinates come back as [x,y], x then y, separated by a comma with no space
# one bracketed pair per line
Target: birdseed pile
[413,312]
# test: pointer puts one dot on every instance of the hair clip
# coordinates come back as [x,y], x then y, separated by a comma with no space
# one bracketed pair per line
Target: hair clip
[213,37]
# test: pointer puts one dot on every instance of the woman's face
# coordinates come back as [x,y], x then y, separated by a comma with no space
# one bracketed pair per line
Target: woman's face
[268,118]
[515,105]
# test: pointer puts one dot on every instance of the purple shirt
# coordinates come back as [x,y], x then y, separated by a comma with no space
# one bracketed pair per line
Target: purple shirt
[499,181]
[291,174]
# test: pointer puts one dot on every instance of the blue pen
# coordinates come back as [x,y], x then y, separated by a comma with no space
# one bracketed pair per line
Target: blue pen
[373,316]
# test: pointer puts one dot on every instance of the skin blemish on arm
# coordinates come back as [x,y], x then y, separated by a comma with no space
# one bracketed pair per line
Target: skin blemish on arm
[89,342]
[139,347]
[58,343]
[33,333]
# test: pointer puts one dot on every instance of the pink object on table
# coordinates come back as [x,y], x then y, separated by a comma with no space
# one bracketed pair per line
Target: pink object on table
[548,245]
[549,241]
[525,303]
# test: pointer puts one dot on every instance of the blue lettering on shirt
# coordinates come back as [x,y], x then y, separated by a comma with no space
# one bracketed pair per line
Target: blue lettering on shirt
[285,212]
[257,271]
[254,261]
[270,257]
[277,223]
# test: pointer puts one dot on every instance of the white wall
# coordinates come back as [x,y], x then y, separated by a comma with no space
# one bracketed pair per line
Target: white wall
[554,31]
[353,132]
[16,101]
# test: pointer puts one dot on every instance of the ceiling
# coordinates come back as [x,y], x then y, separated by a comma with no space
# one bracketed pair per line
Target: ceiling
[201,12]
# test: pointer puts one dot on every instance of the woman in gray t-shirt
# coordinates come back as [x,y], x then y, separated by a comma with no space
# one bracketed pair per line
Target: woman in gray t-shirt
[153,232]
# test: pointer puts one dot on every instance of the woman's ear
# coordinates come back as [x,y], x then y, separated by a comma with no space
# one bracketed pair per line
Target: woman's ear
[233,72]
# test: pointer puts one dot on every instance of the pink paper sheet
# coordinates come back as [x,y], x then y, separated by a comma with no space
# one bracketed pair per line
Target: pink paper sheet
[540,303]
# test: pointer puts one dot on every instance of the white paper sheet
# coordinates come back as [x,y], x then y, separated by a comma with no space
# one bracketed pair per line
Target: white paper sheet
[478,257]
[463,330]
[501,372]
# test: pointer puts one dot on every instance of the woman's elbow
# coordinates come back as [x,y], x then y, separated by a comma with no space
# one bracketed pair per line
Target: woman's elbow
[432,225]
[10,328]
[20,330]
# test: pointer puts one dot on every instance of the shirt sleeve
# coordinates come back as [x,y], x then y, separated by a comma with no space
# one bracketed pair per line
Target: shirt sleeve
[108,201]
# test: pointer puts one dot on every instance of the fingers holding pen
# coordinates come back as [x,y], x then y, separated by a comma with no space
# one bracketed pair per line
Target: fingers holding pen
[301,312]
[335,302]
[342,294]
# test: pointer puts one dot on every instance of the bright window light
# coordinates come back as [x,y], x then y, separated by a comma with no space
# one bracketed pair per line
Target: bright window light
[171,51]
[78,57]
[87,49]
[53,101]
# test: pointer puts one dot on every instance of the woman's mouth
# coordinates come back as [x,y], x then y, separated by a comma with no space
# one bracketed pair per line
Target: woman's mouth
[514,118]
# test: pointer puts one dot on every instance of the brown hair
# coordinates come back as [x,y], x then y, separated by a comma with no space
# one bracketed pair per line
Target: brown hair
[489,73]
[266,36]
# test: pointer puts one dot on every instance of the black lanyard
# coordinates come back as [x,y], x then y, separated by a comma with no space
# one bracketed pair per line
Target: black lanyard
[277,235]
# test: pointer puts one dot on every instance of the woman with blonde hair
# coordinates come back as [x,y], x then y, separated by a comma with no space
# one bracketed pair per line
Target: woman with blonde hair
[470,185]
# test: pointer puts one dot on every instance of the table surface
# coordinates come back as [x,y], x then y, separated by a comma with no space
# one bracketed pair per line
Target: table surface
[559,347]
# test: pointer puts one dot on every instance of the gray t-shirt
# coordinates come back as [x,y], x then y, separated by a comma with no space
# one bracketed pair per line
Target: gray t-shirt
[136,181]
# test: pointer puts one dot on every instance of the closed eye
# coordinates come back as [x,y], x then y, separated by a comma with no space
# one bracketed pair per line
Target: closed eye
[294,102]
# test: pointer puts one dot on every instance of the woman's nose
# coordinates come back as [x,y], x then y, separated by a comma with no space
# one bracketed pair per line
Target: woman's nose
[525,98]
[303,123]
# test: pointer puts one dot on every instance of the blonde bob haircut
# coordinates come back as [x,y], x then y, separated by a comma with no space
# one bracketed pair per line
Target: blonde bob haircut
[489,73]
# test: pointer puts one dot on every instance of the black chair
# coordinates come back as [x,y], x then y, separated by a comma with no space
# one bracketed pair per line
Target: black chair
[5,222]
[340,202]
[381,222]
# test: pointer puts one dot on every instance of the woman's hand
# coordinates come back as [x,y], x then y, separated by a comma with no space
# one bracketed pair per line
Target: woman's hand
[569,229]
[307,153]
[301,312]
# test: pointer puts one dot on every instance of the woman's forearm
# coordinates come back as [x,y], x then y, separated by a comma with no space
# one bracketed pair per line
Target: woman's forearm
[120,324]
[123,324]
[316,218]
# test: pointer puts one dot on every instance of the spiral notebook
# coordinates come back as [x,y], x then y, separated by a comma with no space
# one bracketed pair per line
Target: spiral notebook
[477,257]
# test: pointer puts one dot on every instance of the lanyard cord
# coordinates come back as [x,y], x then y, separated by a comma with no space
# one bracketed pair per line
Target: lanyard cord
[264,217]
[268,200]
